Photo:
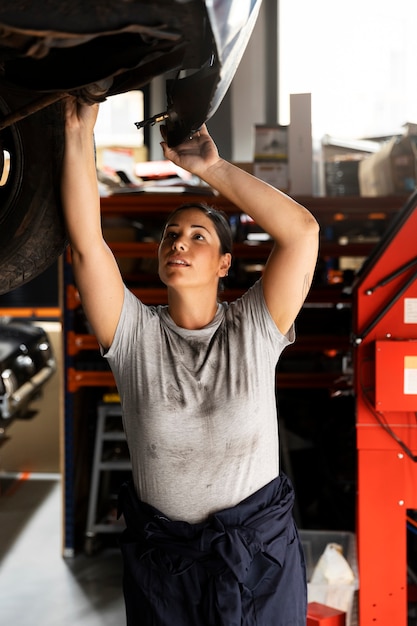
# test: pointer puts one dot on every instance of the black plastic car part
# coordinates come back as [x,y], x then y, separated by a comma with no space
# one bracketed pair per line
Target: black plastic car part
[187,100]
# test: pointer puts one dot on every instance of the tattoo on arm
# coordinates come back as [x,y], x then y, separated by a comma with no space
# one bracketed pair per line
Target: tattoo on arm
[306,286]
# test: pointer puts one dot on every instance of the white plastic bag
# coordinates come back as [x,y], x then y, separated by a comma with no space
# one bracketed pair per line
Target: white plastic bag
[333,581]
[332,567]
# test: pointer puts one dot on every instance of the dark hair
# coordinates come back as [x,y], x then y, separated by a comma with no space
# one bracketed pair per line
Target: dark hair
[219,219]
[220,222]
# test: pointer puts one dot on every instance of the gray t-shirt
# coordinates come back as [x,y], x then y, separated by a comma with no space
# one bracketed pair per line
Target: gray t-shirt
[199,406]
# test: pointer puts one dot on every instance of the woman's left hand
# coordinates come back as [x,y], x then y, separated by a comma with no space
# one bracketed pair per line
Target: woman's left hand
[197,153]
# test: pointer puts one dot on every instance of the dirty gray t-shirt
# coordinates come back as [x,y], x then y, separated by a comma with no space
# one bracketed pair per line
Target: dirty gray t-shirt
[199,406]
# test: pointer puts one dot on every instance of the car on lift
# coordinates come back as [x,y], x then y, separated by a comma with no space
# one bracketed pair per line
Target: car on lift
[27,362]
[94,50]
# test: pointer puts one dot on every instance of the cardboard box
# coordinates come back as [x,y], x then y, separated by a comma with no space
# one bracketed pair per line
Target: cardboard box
[271,155]
[271,142]
[274,173]
[392,170]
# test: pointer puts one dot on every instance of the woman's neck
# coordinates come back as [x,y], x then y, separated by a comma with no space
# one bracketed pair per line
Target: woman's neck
[192,311]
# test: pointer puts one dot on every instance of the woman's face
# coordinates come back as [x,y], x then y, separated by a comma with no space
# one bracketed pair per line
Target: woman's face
[189,253]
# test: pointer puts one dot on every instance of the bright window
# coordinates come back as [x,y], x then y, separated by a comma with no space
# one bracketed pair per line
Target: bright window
[358,59]
[116,120]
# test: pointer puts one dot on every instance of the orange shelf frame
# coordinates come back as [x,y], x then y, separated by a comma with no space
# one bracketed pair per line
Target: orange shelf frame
[31,312]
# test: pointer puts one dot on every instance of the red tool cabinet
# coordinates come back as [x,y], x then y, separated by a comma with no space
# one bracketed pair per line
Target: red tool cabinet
[385,339]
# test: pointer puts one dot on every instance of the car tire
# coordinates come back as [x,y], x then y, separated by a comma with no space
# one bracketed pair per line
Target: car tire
[32,233]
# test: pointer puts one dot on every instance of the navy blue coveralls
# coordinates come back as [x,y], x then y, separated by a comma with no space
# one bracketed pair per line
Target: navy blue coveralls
[243,566]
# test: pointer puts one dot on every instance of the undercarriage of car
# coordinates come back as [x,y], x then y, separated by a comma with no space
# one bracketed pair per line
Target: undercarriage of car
[92,51]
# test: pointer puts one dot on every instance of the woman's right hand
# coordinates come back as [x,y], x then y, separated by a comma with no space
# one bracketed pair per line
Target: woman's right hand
[80,117]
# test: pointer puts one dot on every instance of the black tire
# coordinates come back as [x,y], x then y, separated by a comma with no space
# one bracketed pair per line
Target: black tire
[32,234]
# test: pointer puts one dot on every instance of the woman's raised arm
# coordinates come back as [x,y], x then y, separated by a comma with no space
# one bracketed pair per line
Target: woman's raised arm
[95,269]
[295,232]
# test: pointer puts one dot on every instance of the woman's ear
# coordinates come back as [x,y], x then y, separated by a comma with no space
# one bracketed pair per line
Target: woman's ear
[225,264]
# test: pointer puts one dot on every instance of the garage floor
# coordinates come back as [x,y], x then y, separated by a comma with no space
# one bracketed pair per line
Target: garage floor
[39,587]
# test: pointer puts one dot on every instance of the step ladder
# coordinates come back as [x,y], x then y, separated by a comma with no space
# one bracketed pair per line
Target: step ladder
[110,456]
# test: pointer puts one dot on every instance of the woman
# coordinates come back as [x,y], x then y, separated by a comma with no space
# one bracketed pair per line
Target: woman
[210,537]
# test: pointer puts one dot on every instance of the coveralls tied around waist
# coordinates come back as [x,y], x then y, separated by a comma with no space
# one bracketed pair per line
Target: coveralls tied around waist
[243,566]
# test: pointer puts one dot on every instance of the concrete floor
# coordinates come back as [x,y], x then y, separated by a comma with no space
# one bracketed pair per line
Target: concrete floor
[37,586]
